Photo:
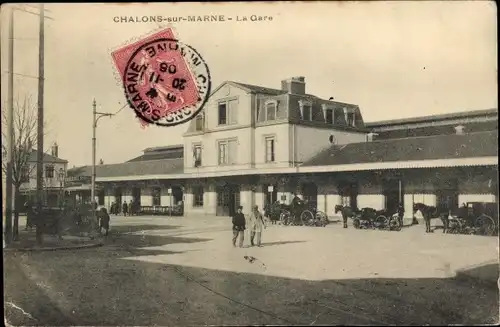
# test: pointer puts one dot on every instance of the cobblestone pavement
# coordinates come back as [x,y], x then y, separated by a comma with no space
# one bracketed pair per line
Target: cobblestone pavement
[184,271]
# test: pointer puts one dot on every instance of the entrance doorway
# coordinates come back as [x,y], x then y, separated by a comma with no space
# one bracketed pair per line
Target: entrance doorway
[348,192]
[136,196]
[393,190]
[228,199]
[270,197]
[100,197]
[118,197]
[310,193]
[177,194]
[447,195]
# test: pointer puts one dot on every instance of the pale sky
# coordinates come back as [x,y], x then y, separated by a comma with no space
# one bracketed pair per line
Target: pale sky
[393,59]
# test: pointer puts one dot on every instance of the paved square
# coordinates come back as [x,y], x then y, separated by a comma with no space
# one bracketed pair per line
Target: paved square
[315,253]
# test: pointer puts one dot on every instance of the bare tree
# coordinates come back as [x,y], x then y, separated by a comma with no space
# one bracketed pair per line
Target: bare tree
[24,138]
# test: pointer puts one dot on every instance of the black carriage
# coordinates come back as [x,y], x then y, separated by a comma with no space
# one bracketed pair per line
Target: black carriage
[369,218]
[475,218]
[308,215]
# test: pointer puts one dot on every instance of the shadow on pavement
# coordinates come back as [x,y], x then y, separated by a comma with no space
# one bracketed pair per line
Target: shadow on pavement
[488,273]
[137,228]
[92,287]
[280,243]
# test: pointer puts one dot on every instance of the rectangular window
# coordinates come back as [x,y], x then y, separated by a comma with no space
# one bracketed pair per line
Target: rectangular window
[228,112]
[199,122]
[222,113]
[270,149]
[271,111]
[197,155]
[156,195]
[351,119]
[49,171]
[329,116]
[307,112]
[222,153]
[198,196]
[227,152]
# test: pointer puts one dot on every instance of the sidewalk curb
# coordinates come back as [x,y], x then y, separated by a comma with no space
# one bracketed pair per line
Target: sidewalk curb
[75,247]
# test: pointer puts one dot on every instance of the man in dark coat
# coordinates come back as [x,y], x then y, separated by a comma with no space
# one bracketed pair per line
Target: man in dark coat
[125,208]
[239,224]
[296,206]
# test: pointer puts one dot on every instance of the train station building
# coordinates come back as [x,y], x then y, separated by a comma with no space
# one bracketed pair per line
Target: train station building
[252,145]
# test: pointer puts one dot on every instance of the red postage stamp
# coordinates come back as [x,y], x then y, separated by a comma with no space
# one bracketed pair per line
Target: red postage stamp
[165,81]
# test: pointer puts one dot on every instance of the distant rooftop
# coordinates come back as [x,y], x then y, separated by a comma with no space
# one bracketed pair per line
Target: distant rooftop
[422,119]
[47,158]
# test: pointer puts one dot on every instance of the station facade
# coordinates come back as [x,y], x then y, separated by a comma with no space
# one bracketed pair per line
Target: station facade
[255,145]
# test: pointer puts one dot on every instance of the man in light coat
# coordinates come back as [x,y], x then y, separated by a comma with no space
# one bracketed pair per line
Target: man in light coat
[256,225]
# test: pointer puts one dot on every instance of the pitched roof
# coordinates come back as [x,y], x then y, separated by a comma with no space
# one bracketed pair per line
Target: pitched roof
[48,158]
[406,149]
[258,89]
[168,152]
[136,168]
[433,118]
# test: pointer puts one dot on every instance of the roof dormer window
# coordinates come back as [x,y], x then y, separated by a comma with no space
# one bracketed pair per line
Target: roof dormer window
[328,113]
[271,108]
[305,109]
[350,116]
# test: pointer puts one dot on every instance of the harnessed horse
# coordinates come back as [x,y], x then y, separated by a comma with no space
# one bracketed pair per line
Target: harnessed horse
[429,212]
[347,212]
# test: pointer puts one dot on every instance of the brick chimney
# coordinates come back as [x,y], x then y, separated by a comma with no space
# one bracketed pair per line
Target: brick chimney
[294,85]
[55,150]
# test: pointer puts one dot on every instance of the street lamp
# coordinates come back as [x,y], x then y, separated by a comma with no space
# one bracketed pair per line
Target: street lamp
[95,117]
[61,179]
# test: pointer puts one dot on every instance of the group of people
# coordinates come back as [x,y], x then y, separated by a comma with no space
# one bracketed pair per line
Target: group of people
[256,223]
[273,211]
[130,208]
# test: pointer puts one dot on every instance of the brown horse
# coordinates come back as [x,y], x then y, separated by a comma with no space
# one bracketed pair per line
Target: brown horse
[429,212]
[347,212]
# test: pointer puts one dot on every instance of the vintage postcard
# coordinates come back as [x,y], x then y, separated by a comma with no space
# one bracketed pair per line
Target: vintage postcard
[250,163]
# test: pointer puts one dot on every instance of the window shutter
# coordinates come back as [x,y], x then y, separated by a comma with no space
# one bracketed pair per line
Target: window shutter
[233,112]
[233,151]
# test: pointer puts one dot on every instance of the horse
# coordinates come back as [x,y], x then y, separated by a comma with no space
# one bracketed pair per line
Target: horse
[347,212]
[429,212]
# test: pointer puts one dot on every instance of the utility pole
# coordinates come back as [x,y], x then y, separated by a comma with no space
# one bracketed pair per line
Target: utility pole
[10,134]
[95,117]
[39,161]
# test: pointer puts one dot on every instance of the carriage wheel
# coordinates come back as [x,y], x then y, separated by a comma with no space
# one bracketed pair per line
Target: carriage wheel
[322,218]
[381,222]
[356,223]
[486,225]
[307,218]
[394,224]
[284,215]
[455,226]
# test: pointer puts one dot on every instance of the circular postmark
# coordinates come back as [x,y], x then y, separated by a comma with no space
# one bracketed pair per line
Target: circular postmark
[166,82]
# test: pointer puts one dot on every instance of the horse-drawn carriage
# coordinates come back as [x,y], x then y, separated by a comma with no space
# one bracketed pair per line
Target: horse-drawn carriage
[475,218]
[369,218]
[305,214]
[478,218]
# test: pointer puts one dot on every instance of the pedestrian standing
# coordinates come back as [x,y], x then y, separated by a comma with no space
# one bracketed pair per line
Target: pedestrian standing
[125,208]
[239,226]
[256,226]
[131,208]
[104,221]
